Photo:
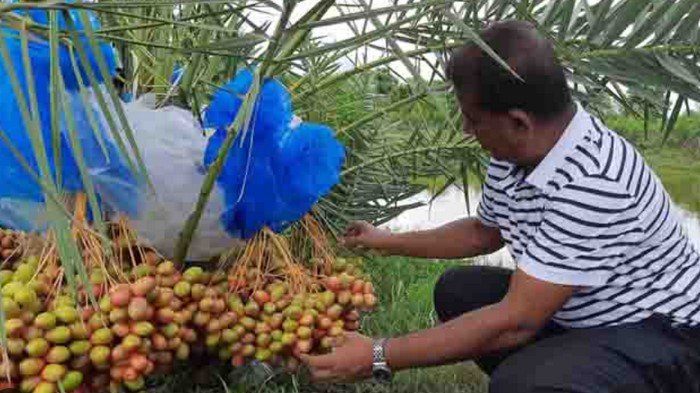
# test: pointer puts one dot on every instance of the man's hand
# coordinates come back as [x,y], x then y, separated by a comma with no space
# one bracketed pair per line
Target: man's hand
[364,234]
[350,361]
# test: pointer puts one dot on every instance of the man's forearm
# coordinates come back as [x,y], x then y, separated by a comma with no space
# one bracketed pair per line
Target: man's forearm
[464,338]
[459,239]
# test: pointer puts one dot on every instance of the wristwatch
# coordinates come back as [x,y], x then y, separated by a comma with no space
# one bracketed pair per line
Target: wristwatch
[380,370]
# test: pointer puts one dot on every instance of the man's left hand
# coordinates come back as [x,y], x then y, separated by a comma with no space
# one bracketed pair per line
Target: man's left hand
[349,361]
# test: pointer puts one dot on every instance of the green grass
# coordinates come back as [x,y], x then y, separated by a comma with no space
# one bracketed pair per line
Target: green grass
[686,128]
[404,287]
[679,171]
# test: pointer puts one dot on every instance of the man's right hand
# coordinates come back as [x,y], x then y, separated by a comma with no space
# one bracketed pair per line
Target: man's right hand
[366,235]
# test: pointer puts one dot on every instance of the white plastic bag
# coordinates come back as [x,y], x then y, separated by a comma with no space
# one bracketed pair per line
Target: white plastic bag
[172,143]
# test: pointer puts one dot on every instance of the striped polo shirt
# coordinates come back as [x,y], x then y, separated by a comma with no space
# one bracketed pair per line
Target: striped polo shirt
[592,214]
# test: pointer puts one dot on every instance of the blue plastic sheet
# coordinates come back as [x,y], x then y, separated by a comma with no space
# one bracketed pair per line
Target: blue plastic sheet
[114,183]
[17,182]
[66,59]
[275,172]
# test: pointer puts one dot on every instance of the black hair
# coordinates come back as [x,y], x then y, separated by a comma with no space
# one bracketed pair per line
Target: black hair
[543,90]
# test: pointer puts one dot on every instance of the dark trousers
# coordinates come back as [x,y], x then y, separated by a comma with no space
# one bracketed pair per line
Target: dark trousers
[644,357]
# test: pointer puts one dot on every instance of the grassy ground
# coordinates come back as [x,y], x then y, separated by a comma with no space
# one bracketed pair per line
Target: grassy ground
[404,287]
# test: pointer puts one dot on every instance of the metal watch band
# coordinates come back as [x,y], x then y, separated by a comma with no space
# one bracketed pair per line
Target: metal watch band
[378,351]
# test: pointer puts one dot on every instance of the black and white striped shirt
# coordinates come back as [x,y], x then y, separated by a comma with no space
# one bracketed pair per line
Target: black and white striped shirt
[593,214]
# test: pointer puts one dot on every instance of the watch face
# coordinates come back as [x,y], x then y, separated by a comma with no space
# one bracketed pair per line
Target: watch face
[382,374]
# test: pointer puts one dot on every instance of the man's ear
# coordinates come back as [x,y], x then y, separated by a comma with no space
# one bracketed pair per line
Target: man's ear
[523,122]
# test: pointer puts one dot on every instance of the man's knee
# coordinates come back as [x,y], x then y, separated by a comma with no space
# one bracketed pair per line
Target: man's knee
[522,375]
[443,293]
[530,378]
[602,360]
[467,288]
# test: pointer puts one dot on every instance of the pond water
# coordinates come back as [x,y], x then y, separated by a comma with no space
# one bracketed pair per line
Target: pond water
[452,205]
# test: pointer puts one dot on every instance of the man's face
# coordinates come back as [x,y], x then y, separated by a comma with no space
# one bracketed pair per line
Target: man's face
[503,135]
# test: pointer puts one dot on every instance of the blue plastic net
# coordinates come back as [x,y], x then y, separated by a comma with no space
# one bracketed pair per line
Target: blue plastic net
[117,188]
[309,158]
[274,172]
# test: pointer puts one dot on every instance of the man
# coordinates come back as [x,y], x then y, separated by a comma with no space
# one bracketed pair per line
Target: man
[604,297]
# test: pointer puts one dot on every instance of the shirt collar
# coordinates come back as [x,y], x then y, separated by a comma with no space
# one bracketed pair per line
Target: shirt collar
[574,132]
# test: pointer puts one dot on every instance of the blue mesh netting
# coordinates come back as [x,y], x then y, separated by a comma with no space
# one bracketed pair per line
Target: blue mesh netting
[113,181]
[274,172]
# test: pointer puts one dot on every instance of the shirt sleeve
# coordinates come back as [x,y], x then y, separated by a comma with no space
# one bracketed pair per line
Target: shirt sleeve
[485,211]
[586,231]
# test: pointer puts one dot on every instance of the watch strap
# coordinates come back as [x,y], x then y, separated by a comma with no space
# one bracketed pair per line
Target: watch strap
[380,369]
[378,356]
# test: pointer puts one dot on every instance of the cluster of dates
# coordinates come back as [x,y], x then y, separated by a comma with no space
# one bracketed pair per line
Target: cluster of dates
[155,315]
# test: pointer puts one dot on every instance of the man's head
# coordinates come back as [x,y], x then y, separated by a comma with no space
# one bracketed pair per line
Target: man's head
[513,119]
